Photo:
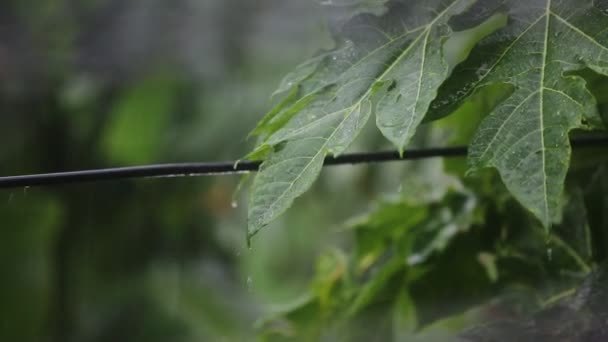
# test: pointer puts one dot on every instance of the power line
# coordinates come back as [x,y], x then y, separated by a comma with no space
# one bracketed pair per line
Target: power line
[232,167]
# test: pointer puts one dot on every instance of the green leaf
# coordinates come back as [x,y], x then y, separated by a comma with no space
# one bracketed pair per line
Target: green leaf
[390,65]
[404,317]
[377,285]
[138,120]
[526,137]
[455,217]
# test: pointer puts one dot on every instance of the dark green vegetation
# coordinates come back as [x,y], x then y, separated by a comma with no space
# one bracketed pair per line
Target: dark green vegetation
[394,252]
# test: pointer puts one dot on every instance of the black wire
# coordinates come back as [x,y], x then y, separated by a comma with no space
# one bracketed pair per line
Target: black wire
[221,168]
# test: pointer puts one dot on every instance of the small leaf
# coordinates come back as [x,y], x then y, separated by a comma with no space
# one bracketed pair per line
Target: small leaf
[134,130]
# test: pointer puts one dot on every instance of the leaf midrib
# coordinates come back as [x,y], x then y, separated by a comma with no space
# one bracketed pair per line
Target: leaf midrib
[540,91]
[542,110]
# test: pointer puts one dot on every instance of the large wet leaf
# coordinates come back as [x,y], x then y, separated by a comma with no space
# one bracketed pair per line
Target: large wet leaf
[526,137]
[390,65]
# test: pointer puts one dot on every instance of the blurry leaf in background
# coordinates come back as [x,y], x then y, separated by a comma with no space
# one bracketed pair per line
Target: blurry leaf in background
[134,133]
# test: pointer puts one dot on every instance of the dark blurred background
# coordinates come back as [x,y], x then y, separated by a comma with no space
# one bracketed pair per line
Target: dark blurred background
[102,83]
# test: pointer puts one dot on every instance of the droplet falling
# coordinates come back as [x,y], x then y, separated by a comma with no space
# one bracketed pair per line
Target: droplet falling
[249,283]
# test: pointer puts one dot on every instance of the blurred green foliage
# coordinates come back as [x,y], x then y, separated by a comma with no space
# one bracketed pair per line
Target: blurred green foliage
[134,130]
[108,83]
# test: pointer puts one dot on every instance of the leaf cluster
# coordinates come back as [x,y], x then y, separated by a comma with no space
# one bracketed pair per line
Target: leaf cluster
[425,272]
[419,61]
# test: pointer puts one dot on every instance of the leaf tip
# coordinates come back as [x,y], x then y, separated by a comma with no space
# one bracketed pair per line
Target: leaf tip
[401,151]
[248,240]
[251,232]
